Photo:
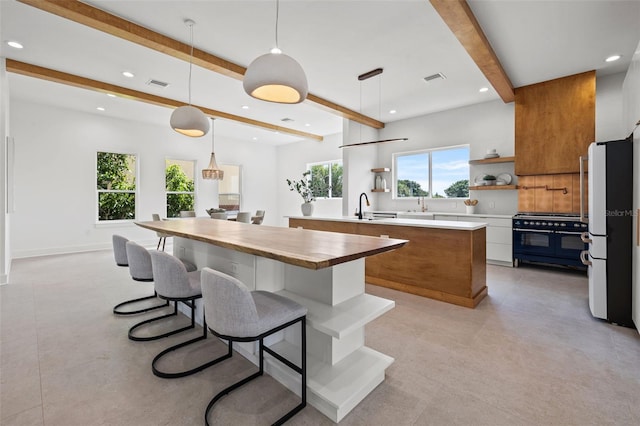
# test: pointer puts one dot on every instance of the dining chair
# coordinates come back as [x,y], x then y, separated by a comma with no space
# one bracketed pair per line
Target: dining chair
[222,216]
[187,213]
[259,217]
[244,217]
[161,235]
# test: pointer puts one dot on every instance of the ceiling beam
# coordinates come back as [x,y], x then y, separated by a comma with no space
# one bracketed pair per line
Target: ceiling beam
[459,17]
[99,86]
[90,16]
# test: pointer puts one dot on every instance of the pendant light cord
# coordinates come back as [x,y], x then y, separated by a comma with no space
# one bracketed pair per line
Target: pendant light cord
[190,59]
[277,18]
[213,134]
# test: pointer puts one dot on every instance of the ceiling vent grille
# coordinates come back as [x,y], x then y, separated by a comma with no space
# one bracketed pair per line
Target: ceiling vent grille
[157,83]
[434,77]
[286,119]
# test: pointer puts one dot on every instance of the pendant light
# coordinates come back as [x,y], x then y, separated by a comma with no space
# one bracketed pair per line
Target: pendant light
[276,77]
[212,171]
[187,119]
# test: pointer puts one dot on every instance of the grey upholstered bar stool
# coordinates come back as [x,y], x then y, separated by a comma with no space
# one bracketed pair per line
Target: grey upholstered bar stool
[141,268]
[174,283]
[120,254]
[235,314]
[244,217]
[257,220]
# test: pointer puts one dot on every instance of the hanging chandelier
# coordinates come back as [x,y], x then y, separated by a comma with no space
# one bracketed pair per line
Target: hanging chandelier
[212,172]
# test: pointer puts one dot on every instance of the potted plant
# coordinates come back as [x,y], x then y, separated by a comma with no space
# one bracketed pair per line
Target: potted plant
[303,187]
[489,180]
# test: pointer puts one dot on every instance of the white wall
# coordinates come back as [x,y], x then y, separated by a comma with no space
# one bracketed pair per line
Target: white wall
[5,246]
[483,126]
[55,164]
[292,162]
[609,119]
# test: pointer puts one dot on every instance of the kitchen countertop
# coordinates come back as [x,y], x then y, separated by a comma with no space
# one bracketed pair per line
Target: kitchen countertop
[431,213]
[438,224]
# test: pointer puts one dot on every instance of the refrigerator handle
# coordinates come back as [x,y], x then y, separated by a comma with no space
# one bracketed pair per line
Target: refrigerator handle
[583,158]
[584,257]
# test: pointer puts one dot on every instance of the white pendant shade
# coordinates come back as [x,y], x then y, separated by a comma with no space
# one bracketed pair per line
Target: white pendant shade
[276,77]
[189,121]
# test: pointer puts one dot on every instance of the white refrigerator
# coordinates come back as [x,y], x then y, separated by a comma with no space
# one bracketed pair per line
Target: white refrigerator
[610,230]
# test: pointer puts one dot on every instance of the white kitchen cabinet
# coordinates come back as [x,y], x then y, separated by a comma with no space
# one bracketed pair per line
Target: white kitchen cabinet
[499,235]
[499,238]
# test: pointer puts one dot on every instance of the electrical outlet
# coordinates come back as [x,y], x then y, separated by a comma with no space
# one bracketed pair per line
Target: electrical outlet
[234,268]
[492,205]
[182,252]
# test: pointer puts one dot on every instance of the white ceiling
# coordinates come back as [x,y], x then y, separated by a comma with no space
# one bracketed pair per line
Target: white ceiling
[334,41]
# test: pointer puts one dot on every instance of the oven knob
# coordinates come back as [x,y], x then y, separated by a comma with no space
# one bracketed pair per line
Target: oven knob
[526,223]
[556,224]
[583,225]
[563,225]
[576,225]
[537,223]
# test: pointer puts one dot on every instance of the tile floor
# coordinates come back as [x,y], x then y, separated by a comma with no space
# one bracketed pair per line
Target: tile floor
[529,354]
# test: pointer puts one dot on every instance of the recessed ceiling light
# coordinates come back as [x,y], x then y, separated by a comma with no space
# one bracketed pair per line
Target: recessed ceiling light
[254,138]
[307,124]
[613,58]
[111,95]
[483,89]
[15,44]
[100,108]
[393,111]
[245,106]
[128,74]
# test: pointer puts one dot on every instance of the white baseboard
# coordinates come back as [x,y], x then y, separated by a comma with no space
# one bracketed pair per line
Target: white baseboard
[49,251]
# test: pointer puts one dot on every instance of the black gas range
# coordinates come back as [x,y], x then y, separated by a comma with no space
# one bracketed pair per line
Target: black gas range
[548,238]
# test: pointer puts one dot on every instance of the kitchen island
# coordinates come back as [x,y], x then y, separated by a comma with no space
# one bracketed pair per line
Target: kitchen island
[443,260]
[320,270]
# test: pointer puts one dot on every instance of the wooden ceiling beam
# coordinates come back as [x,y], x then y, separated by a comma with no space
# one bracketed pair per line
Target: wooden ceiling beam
[90,16]
[459,17]
[42,73]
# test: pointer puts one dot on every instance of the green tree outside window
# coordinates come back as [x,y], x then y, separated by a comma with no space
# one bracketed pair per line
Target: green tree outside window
[116,185]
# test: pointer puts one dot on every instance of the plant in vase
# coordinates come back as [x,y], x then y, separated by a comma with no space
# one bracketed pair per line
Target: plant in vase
[303,187]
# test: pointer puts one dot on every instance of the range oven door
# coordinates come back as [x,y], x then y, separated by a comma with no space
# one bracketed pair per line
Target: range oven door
[532,242]
[569,245]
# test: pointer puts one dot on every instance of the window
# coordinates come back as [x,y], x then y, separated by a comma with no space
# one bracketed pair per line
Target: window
[230,188]
[116,186]
[435,173]
[326,179]
[179,186]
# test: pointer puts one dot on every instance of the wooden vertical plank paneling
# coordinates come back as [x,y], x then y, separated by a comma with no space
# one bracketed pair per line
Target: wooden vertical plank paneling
[576,194]
[526,202]
[554,124]
[563,203]
[543,199]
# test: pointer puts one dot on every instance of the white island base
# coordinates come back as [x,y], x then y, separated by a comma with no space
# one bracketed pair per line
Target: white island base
[341,370]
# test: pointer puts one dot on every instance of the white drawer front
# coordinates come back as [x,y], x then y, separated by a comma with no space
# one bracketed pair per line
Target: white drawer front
[499,235]
[490,221]
[502,252]
[444,217]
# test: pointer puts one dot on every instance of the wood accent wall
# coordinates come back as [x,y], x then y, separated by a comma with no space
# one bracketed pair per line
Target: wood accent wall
[554,124]
[537,198]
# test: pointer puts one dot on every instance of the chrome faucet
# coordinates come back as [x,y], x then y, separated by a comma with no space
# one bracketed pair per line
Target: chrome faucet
[360,204]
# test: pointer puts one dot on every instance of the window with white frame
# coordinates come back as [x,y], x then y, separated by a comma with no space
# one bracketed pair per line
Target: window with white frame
[179,186]
[116,177]
[432,173]
[230,188]
[326,179]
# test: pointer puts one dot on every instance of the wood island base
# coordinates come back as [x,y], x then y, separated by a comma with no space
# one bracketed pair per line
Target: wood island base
[439,262]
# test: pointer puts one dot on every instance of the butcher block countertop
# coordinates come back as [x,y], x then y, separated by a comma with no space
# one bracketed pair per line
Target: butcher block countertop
[306,248]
